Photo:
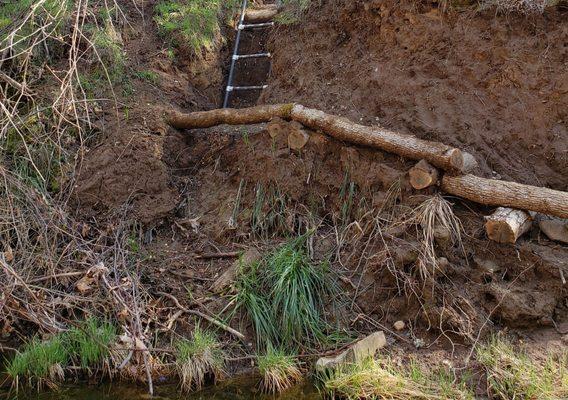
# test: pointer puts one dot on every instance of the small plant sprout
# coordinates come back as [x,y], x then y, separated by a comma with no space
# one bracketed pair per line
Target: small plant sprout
[198,358]
[279,370]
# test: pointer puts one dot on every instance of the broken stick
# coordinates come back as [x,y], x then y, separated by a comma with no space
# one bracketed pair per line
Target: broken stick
[423,175]
[506,225]
[493,192]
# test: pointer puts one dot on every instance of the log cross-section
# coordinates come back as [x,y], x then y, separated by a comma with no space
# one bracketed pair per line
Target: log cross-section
[506,225]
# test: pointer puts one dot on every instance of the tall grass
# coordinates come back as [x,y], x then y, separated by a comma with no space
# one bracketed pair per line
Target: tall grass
[514,374]
[284,296]
[197,358]
[43,362]
[384,379]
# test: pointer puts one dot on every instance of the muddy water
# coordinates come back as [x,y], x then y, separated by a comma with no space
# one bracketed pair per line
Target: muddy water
[236,389]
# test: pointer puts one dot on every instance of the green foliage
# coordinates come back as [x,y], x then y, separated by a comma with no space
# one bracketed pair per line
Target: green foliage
[513,374]
[198,357]
[284,295]
[51,14]
[90,341]
[44,361]
[40,360]
[148,75]
[384,379]
[279,370]
[195,23]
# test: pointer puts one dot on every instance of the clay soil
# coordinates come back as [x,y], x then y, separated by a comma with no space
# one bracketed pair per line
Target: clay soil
[496,86]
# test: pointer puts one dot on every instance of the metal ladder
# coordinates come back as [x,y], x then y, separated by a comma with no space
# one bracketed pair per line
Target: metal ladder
[236,56]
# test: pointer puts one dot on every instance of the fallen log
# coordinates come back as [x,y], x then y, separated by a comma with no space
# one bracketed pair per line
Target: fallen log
[423,175]
[230,116]
[506,225]
[261,14]
[438,154]
[493,192]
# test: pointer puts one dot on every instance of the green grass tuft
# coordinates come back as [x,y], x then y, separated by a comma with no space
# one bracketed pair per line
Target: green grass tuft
[198,358]
[293,10]
[90,341]
[279,370]
[513,374]
[40,362]
[284,295]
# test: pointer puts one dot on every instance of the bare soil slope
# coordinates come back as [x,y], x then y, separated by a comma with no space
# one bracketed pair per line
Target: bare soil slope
[496,86]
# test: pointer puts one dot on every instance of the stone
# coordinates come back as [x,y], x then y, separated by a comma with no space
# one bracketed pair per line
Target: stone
[399,325]
[442,235]
[298,137]
[228,277]
[358,352]
[554,229]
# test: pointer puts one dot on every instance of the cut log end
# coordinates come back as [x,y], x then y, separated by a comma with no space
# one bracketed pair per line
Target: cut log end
[506,225]
[298,137]
[423,175]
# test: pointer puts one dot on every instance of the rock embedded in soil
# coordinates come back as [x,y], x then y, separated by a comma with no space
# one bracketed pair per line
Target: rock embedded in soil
[228,277]
[399,325]
[356,353]
[554,229]
[298,137]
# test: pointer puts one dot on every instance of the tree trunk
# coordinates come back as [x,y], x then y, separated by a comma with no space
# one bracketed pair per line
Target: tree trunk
[509,194]
[231,116]
[438,154]
[423,175]
[506,225]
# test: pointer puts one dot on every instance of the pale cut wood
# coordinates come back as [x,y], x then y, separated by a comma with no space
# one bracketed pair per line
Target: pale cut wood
[507,194]
[231,116]
[506,225]
[438,154]
[261,14]
[298,137]
[423,175]
[277,127]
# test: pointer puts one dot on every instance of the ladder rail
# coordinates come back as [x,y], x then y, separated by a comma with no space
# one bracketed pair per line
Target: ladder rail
[235,53]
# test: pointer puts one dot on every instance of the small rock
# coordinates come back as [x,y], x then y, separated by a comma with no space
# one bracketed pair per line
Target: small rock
[487,266]
[442,235]
[359,351]
[443,264]
[554,229]
[228,277]
[399,325]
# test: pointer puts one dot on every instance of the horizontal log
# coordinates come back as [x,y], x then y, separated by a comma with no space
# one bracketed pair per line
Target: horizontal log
[438,154]
[230,116]
[507,194]
[261,14]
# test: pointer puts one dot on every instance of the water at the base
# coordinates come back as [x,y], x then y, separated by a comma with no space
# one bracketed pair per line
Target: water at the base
[235,389]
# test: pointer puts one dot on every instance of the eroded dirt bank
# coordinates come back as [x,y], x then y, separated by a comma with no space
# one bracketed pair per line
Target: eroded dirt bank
[495,85]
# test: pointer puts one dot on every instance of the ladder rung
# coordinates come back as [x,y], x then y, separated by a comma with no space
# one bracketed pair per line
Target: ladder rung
[260,87]
[257,55]
[251,26]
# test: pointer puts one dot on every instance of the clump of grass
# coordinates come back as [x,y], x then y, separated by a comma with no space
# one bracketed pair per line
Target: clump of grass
[90,342]
[284,294]
[279,370]
[293,10]
[40,363]
[195,23]
[514,374]
[269,211]
[147,75]
[383,379]
[197,358]
[519,6]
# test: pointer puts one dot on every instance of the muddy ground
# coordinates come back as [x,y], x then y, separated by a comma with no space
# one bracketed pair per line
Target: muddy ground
[494,85]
